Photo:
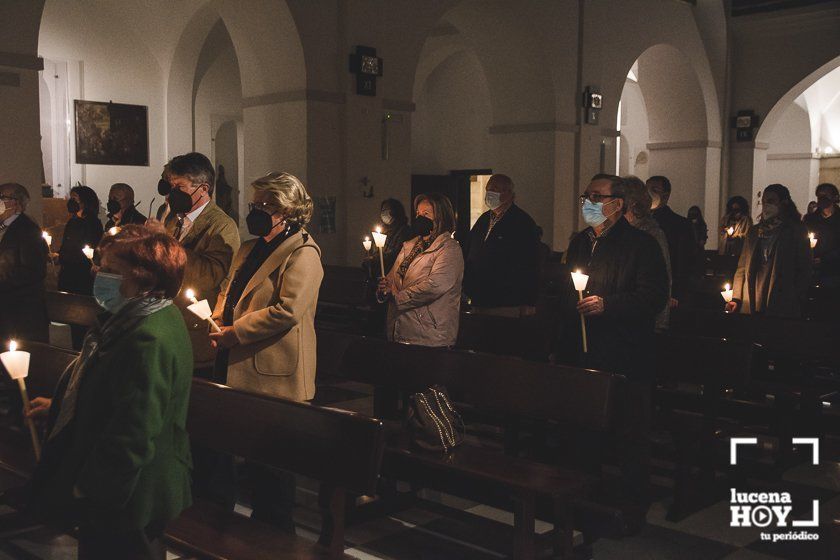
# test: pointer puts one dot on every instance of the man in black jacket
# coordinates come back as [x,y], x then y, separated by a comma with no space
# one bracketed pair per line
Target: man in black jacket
[684,252]
[627,287]
[500,255]
[121,209]
[23,266]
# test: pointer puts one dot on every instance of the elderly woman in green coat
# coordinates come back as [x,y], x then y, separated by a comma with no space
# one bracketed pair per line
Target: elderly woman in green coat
[116,459]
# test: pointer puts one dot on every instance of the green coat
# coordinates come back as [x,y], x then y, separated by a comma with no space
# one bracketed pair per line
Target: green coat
[127,450]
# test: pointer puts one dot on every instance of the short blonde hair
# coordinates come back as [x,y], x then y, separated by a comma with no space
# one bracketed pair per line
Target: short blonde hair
[289,194]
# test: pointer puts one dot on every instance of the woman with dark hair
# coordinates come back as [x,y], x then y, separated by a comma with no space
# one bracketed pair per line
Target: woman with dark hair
[734,225]
[116,458]
[423,288]
[83,228]
[395,226]
[698,226]
[774,269]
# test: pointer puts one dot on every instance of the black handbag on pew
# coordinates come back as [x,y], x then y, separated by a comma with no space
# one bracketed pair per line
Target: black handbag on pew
[433,422]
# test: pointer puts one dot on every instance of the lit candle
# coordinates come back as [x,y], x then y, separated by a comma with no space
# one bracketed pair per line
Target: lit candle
[366,244]
[16,363]
[88,252]
[580,280]
[201,309]
[379,240]
[48,238]
[730,231]
[727,293]
[114,230]
[813,239]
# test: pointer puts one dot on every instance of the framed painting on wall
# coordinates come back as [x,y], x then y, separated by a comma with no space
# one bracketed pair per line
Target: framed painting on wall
[111,133]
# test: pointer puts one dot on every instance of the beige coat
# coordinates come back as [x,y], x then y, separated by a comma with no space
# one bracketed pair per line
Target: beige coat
[210,245]
[425,306]
[275,321]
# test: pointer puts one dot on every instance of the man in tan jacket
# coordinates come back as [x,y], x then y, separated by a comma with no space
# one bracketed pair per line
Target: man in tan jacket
[208,235]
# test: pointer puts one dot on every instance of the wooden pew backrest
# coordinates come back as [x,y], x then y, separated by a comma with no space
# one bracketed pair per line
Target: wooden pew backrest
[336,447]
[72,309]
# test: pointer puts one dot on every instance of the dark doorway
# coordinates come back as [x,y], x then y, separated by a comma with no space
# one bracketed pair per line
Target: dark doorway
[456,186]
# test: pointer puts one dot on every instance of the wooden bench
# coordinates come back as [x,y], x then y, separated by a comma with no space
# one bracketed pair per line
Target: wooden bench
[72,309]
[509,388]
[343,298]
[340,449]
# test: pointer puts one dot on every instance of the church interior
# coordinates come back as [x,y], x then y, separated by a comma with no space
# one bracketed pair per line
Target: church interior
[729,406]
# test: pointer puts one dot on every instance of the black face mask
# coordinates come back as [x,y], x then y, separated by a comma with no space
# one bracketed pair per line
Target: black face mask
[181,202]
[259,222]
[73,206]
[422,226]
[164,187]
[113,206]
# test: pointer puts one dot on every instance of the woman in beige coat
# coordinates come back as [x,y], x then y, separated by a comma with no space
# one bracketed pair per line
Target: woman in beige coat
[423,288]
[267,307]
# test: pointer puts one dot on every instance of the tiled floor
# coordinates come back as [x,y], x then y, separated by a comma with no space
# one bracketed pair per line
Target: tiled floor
[438,526]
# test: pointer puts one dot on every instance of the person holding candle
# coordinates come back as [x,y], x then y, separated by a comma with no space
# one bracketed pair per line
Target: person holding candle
[267,317]
[825,225]
[83,228]
[734,225]
[209,237]
[774,270]
[423,289]
[626,289]
[23,267]
[121,208]
[116,457]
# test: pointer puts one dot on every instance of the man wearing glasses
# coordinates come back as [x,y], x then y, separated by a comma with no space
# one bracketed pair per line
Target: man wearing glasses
[23,266]
[627,287]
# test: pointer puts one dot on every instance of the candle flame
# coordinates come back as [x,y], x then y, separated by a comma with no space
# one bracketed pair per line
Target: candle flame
[378,229]
[12,346]
[726,287]
[45,235]
[730,230]
[114,230]
[189,293]
[577,271]
[811,235]
[367,238]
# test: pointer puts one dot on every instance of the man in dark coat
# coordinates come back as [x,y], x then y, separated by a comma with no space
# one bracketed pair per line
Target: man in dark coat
[121,209]
[500,275]
[23,266]
[825,225]
[627,287]
[684,252]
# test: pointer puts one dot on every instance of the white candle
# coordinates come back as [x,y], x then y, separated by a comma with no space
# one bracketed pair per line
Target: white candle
[88,252]
[813,239]
[201,309]
[730,231]
[16,363]
[379,240]
[48,238]
[580,280]
[366,244]
[727,293]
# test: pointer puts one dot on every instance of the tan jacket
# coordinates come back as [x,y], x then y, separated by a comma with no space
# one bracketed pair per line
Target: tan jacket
[210,244]
[275,321]
[425,306]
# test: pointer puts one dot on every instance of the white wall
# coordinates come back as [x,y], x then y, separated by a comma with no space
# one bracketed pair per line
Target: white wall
[112,64]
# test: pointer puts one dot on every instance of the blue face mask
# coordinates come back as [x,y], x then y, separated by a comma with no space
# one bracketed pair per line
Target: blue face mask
[106,290]
[593,213]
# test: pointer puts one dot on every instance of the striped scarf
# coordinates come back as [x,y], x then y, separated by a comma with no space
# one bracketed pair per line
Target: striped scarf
[96,343]
[419,246]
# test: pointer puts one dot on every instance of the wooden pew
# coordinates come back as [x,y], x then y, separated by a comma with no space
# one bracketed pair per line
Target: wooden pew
[341,449]
[510,388]
[72,309]
[343,298]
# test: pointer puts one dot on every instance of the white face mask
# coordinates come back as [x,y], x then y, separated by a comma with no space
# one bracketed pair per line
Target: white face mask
[386,218]
[492,199]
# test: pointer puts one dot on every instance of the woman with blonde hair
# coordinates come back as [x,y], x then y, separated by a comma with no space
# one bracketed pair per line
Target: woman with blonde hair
[423,289]
[267,313]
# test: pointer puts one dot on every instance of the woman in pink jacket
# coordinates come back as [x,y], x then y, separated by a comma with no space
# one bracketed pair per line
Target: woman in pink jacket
[423,288]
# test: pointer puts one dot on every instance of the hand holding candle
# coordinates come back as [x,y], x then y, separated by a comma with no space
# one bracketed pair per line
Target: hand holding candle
[201,309]
[88,252]
[16,363]
[730,231]
[813,239]
[379,240]
[580,280]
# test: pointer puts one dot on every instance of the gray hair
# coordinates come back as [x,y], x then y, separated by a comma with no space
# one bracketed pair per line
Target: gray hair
[19,192]
[125,189]
[289,193]
[636,197]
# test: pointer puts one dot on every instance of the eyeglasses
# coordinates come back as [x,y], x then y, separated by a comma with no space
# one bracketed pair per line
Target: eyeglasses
[267,207]
[595,197]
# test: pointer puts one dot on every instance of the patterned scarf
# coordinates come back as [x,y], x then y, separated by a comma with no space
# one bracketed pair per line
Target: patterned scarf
[419,246]
[97,341]
[769,228]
